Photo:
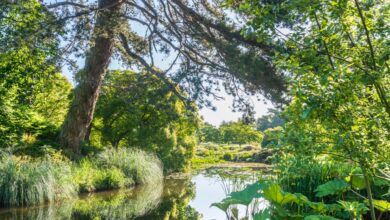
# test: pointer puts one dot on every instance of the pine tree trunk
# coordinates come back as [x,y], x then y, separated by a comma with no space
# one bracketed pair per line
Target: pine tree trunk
[86,93]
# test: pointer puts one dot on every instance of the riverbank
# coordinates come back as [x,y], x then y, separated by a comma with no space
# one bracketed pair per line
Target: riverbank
[186,196]
[27,181]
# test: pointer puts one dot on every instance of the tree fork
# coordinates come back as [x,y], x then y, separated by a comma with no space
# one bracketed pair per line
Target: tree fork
[86,93]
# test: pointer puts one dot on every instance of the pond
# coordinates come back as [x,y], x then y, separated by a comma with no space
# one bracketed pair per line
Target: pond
[180,197]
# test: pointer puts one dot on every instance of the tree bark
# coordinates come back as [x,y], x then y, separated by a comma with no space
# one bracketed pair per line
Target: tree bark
[86,93]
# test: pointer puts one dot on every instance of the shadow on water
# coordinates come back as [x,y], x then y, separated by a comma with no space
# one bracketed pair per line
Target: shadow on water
[178,198]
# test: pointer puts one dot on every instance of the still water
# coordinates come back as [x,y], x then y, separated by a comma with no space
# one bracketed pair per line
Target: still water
[180,197]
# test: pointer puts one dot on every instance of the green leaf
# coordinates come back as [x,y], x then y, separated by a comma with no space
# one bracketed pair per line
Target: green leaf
[333,187]
[382,205]
[319,217]
[246,195]
[264,214]
[274,194]
[306,113]
[355,208]
[321,207]
[357,181]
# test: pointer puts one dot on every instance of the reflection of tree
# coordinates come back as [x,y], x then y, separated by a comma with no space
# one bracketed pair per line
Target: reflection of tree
[122,204]
[174,205]
[119,205]
[156,201]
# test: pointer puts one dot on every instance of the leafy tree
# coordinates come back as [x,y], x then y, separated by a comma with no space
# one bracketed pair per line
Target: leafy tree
[337,54]
[139,110]
[205,44]
[239,133]
[33,96]
[209,133]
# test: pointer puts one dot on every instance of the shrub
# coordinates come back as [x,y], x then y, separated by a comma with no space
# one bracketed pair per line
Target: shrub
[88,177]
[247,156]
[228,156]
[24,181]
[84,174]
[109,179]
[135,164]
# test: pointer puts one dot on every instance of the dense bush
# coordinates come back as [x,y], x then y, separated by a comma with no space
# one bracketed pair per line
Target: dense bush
[228,156]
[116,168]
[135,164]
[25,181]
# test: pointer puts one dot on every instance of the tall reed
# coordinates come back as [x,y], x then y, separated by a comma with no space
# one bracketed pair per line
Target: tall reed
[24,181]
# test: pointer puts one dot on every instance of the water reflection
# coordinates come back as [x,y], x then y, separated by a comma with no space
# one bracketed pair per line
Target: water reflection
[178,198]
[215,184]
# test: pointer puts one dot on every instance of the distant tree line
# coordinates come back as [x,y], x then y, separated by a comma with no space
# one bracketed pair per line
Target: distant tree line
[230,133]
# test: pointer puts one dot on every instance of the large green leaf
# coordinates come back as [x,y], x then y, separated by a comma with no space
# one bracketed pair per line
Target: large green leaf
[246,195]
[333,187]
[274,194]
[357,181]
[321,207]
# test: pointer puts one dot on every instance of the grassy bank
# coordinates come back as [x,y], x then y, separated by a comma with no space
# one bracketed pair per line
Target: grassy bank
[211,153]
[26,181]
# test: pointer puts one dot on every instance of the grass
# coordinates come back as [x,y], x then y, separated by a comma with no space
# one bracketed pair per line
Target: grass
[28,181]
[24,181]
[142,167]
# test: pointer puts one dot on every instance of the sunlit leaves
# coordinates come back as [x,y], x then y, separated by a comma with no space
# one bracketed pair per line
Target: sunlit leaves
[382,205]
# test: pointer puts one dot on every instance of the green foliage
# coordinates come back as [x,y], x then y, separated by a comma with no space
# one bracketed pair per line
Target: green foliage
[28,181]
[152,119]
[89,177]
[239,133]
[246,195]
[211,153]
[319,217]
[209,133]
[110,179]
[84,174]
[355,209]
[24,181]
[275,194]
[333,187]
[33,96]
[228,156]
[136,165]
[336,54]
[382,205]
[269,121]
[304,175]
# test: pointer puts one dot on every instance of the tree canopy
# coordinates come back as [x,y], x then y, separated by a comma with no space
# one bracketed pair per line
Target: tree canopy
[138,110]
[34,97]
[204,52]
